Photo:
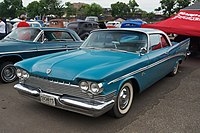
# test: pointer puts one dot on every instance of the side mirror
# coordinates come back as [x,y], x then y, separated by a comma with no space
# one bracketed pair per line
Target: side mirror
[143,51]
[44,40]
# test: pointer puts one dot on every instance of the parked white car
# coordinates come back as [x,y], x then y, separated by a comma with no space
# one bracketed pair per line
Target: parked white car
[92,18]
[113,24]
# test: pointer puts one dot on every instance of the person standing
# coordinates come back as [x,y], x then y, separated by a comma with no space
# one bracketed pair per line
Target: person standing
[2,29]
[23,23]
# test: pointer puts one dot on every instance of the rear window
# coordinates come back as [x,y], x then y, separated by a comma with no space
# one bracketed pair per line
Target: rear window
[24,34]
[58,36]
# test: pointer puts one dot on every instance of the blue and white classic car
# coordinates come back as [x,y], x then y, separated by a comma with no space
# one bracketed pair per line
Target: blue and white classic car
[104,73]
[24,43]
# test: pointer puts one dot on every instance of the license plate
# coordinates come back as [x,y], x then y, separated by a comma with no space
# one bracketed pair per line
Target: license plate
[46,99]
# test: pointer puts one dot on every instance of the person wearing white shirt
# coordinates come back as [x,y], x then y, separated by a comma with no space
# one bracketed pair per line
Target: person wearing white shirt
[2,29]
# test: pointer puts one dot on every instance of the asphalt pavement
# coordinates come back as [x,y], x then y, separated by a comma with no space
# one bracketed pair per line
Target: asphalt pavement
[170,105]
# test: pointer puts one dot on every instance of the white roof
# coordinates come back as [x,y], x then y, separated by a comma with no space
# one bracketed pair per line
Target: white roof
[144,30]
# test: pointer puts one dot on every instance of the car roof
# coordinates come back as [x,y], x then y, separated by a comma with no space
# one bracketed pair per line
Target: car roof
[82,21]
[54,29]
[52,20]
[144,30]
[113,22]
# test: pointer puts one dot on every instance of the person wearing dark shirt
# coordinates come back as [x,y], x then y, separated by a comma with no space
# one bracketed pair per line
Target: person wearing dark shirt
[23,23]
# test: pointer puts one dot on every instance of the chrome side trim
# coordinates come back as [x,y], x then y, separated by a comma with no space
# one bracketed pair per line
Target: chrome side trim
[127,75]
[145,68]
[31,51]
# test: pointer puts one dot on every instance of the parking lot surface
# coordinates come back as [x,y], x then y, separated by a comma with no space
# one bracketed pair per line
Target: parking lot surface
[170,105]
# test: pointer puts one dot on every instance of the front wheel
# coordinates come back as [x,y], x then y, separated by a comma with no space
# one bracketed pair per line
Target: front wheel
[124,100]
[8,72]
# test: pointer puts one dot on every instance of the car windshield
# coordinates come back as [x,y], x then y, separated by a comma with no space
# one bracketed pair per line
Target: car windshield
[23,34]
[129,41]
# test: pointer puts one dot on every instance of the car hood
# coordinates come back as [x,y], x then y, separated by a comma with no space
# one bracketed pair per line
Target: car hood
[82,64]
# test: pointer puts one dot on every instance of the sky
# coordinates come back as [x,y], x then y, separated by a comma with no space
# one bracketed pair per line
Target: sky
[147,5]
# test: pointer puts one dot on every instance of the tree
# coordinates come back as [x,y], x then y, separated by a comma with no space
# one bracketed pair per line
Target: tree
[92,10]
[33,9]
[169,7]
[120,9]
[182,4]
[69,8]
[95,10]
[11,8]
[51,7]
[132,5]
[3,11]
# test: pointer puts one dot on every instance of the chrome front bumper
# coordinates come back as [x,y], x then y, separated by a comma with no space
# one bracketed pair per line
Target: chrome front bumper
[91,108]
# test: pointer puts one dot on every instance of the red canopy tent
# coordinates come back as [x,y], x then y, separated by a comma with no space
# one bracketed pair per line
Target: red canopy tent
[186,22]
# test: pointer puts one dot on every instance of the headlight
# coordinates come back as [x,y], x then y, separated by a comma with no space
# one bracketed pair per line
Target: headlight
[19,73]
[95,89]
[84,85]
[25,75]
[22,74]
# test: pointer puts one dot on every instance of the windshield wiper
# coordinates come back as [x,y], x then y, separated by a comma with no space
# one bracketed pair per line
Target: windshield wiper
[92,48]
[113,49]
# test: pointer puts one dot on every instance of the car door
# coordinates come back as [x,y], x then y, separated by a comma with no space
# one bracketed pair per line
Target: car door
[55,41]
[158,57]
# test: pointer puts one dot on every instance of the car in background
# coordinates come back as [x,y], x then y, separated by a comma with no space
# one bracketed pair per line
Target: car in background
[102,25]
[58,23]
[132,23]
[83,28]
[113,24]
[41,23]
[31,24]
[104,74]
[28,42]
[92,18]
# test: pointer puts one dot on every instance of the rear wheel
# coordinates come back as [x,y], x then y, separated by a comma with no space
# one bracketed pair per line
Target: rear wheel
[124,100]
[7,72]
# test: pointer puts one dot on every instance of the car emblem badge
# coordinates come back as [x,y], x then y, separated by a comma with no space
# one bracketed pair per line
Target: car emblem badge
[48,71]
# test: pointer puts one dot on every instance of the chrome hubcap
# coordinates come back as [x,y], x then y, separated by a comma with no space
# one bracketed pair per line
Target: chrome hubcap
[124,98]
[8,73]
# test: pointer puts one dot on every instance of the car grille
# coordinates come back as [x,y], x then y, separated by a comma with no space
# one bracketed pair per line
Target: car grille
[60,88]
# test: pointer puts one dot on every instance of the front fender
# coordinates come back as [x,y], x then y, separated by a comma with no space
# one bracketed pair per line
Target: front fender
[10,57]
[127,79]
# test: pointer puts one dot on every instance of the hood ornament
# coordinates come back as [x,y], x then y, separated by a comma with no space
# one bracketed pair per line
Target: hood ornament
[48,71]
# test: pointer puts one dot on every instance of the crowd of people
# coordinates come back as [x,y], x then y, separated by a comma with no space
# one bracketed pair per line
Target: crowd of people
[6,28]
